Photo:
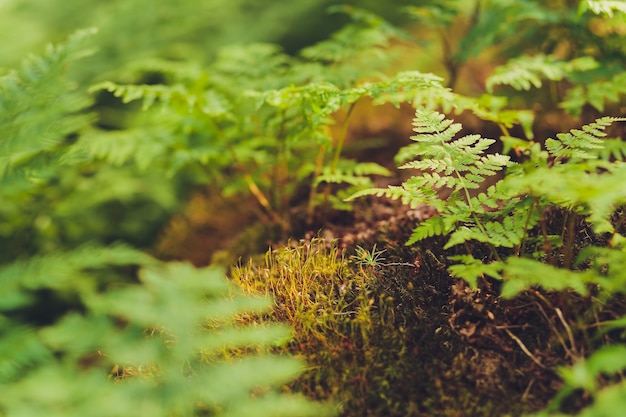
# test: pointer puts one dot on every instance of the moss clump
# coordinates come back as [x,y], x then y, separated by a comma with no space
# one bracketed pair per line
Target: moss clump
[381,339]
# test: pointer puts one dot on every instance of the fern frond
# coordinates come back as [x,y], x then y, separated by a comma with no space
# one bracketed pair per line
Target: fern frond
[471,269]
[403,87]
[612,148]
[39,107]
[606,7]
[521,274]
[366,33]
[433,226]
[351,172]
[149,94]
[595,93]
[581,144]
[409,197]
[525,72]
[461,160]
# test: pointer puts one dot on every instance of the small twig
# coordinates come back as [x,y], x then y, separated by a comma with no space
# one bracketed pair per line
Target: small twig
[570,335]
[396,264]
[525,349]
[527,390]
[555,331]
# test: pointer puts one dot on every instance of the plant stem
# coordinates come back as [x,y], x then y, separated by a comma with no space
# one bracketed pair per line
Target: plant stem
[338,149]
[342,138]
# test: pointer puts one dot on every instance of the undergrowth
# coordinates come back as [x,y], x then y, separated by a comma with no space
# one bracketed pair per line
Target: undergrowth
[92,326]
[89,327]
[377,337]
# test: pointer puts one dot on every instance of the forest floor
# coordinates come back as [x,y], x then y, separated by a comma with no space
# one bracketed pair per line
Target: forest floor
[464,352]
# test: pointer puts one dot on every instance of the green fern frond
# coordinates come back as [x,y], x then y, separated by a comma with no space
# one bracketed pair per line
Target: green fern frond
[433,226]
[606,7]
[461,160]
[366,33]
[409,196]
[39,107]
[525,72]
[471,269]
[581,144]
[596,93]
[506,233]
[521,274]
[612,148]
[459,165]
[144,147]
[403,87]
[351,172]
[149,94]
[70,275]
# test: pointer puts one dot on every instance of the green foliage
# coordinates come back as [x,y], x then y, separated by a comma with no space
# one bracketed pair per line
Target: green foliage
[525,72]
[39,107]
[602,7]
[167,359]
[458,165]
[580,144]
[89,328]
[47,190]
[265,114]
[596,93]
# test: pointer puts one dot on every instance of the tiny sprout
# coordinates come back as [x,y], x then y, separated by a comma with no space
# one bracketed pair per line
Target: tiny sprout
[364,257]
[373,258]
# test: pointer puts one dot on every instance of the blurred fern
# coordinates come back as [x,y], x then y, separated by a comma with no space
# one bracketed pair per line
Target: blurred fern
[105,330]
[165,339]
[39,107]
[597,93]
[525,72]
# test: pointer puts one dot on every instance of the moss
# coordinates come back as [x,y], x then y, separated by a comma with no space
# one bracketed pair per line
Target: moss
[382,340]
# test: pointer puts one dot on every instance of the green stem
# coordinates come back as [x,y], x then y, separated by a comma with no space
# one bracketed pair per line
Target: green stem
[338,150]
[522,246]
[342,138]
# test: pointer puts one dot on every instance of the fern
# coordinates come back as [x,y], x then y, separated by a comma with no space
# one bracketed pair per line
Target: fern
[596,93]
[581,144]
[460,160]
[433,226]
[149,94]
[525,72]
[471,269]
[459,165]
[355,51]
[602,7]
[39,107]
[521,274]
[183,360]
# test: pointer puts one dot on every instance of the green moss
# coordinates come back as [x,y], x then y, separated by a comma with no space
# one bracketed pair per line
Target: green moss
[378,340]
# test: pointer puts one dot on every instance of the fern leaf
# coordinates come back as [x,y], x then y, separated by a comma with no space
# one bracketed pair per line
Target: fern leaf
[366,33]
[351,172]
[581,144]
[595,93]
[433,226]
[525,72]
[471,269]
[522,274]
[606,7]
[149,94]
[443,154]
[410,197]
[39,107]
